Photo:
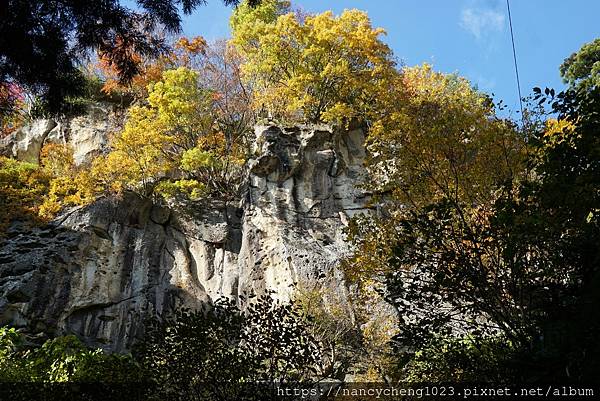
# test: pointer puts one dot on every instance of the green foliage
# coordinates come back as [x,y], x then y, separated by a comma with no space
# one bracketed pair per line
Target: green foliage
[455,360]
[62,359]
[333,323]
[554,218]
[190,189]
[581,70]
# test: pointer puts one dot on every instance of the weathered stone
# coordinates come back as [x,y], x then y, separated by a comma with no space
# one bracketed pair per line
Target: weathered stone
[26,142]
[88,135]
[100,270]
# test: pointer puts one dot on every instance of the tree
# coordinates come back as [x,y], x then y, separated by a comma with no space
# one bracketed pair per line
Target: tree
[581,70]
[353,329]
[321,69]
[248,21]
[11,106]
[219,71]
[497,268]
[431,251]
[22,188]
[171,145]
[36,193]
[182,53]
[439,142]
[43,42]
[435,148]
[69,185]
[27,369]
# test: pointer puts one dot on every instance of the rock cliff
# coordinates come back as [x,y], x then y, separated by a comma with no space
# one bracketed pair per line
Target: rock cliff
[87,134]
[98,271]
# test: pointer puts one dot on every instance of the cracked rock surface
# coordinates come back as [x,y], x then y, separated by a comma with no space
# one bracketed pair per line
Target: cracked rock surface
[98,271]
[88,135]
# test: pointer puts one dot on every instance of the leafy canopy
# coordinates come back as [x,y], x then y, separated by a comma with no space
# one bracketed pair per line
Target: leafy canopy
[497,267]
[42,43]
[219,352]
[440,140]
[60,360]
[581,70]
[171,145]
[320,69]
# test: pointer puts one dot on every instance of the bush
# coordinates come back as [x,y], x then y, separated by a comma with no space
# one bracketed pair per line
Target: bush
[222,353]
[60,360]
[460,359]
[22,187]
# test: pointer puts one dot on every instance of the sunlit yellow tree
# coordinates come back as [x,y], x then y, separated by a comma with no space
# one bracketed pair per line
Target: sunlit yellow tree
[442,143]
[69,185]
[248,22]
[439,162]
[171,145]
[440,140]
[321,68]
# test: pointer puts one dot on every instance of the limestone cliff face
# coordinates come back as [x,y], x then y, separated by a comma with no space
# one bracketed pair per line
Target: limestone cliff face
[88,134]
[98,271]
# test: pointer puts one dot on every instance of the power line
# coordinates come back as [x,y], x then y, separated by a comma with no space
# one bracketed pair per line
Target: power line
[512,37]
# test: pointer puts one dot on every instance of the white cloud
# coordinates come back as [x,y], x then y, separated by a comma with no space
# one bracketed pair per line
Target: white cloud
[481,21]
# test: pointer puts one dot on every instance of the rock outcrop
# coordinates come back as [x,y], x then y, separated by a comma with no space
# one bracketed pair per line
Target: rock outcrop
[88,135]
[99,271]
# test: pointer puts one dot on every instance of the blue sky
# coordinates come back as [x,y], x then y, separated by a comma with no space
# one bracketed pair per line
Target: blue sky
[470,37]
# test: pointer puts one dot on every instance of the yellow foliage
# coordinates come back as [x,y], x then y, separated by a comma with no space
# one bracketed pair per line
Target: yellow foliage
[440,142]
[559,131]
[323,69]
[248,22]
[57,159]
[37,192]
[154,136]
[170,146]
[192,189]
[69,185]
[22,186]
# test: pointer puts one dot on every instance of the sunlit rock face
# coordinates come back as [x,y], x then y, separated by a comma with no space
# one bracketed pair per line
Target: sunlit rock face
[302,188]
[98,271]
[88,135]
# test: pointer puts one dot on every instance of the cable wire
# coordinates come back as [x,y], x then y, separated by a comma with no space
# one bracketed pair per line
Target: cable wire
[512,37]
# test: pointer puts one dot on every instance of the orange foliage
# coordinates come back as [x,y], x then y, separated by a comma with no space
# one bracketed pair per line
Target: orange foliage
[148,71]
